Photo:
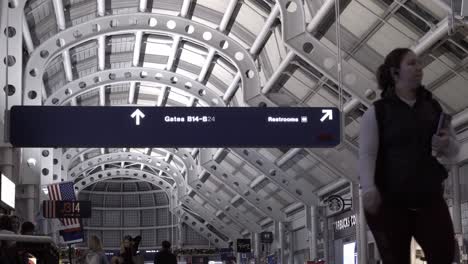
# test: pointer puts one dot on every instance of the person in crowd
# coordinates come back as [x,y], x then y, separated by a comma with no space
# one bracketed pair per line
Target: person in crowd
[401,178]
[126,252]
[165,256]
[27,228]
[15,224]
[96,254]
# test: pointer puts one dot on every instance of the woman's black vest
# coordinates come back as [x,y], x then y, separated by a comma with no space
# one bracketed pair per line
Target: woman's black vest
[406,172]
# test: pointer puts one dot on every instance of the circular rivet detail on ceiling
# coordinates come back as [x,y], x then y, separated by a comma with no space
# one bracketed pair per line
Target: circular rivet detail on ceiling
[33,72]
[223,44]
[60,42]
[250,74]
[112,76]
[45,171]
[143,74]
[68,92]
[202,92]
[10,32]
[307,47]
[171,24]
[158,76]
[45,153]
[97,79]
[32,95]
[82,85]
[189,29]
[9,89]
[152,22]
[9,60]
[174,80]
[207,36]
[44,54]
[239,56]
[188,85]
[214,101]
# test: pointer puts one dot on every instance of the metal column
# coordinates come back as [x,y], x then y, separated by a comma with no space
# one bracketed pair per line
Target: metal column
[311,225]
[291,247]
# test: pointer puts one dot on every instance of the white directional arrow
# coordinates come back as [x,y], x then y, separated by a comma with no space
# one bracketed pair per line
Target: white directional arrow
[137,115]
[327,114]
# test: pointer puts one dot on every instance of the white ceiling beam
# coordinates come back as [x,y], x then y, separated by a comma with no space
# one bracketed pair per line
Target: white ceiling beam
[227,15]
[101,52]
[185,8]
[262,35]
[101,7]
[173,54]
[232,89]
[278,72]
[321,14]
[430,38]
[204,71]
[27,36]
[143,5]
[102,96]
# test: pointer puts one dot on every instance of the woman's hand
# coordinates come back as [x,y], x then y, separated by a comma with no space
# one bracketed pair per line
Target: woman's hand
[371,201]
[440,141]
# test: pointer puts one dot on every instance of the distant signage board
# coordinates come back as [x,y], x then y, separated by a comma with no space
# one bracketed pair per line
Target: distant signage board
[243,246]
[266,237]
[62,126]
[66,209]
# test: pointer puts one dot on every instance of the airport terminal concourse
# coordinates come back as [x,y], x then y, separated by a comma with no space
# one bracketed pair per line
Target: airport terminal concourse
[231,129]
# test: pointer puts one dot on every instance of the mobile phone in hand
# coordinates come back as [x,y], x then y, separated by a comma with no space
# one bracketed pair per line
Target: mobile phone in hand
[444,122]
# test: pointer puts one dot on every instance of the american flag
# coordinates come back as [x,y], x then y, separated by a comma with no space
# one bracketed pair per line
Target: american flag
[64,191]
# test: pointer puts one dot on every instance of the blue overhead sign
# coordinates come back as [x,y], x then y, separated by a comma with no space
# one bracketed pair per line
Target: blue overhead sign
[57,126]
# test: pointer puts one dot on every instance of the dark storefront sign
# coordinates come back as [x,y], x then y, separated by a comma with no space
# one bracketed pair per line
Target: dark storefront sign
[344,225]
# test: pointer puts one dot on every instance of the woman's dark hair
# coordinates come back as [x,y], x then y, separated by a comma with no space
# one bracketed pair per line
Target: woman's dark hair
[384,73]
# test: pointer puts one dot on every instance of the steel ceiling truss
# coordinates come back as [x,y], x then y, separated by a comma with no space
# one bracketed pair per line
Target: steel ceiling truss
[182,154]
[200,227]
[216,200]
[212,218]
[132,23]
[138,158]
[296,37]
[268,207]
[98,79]
[274,173]
[155,180]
